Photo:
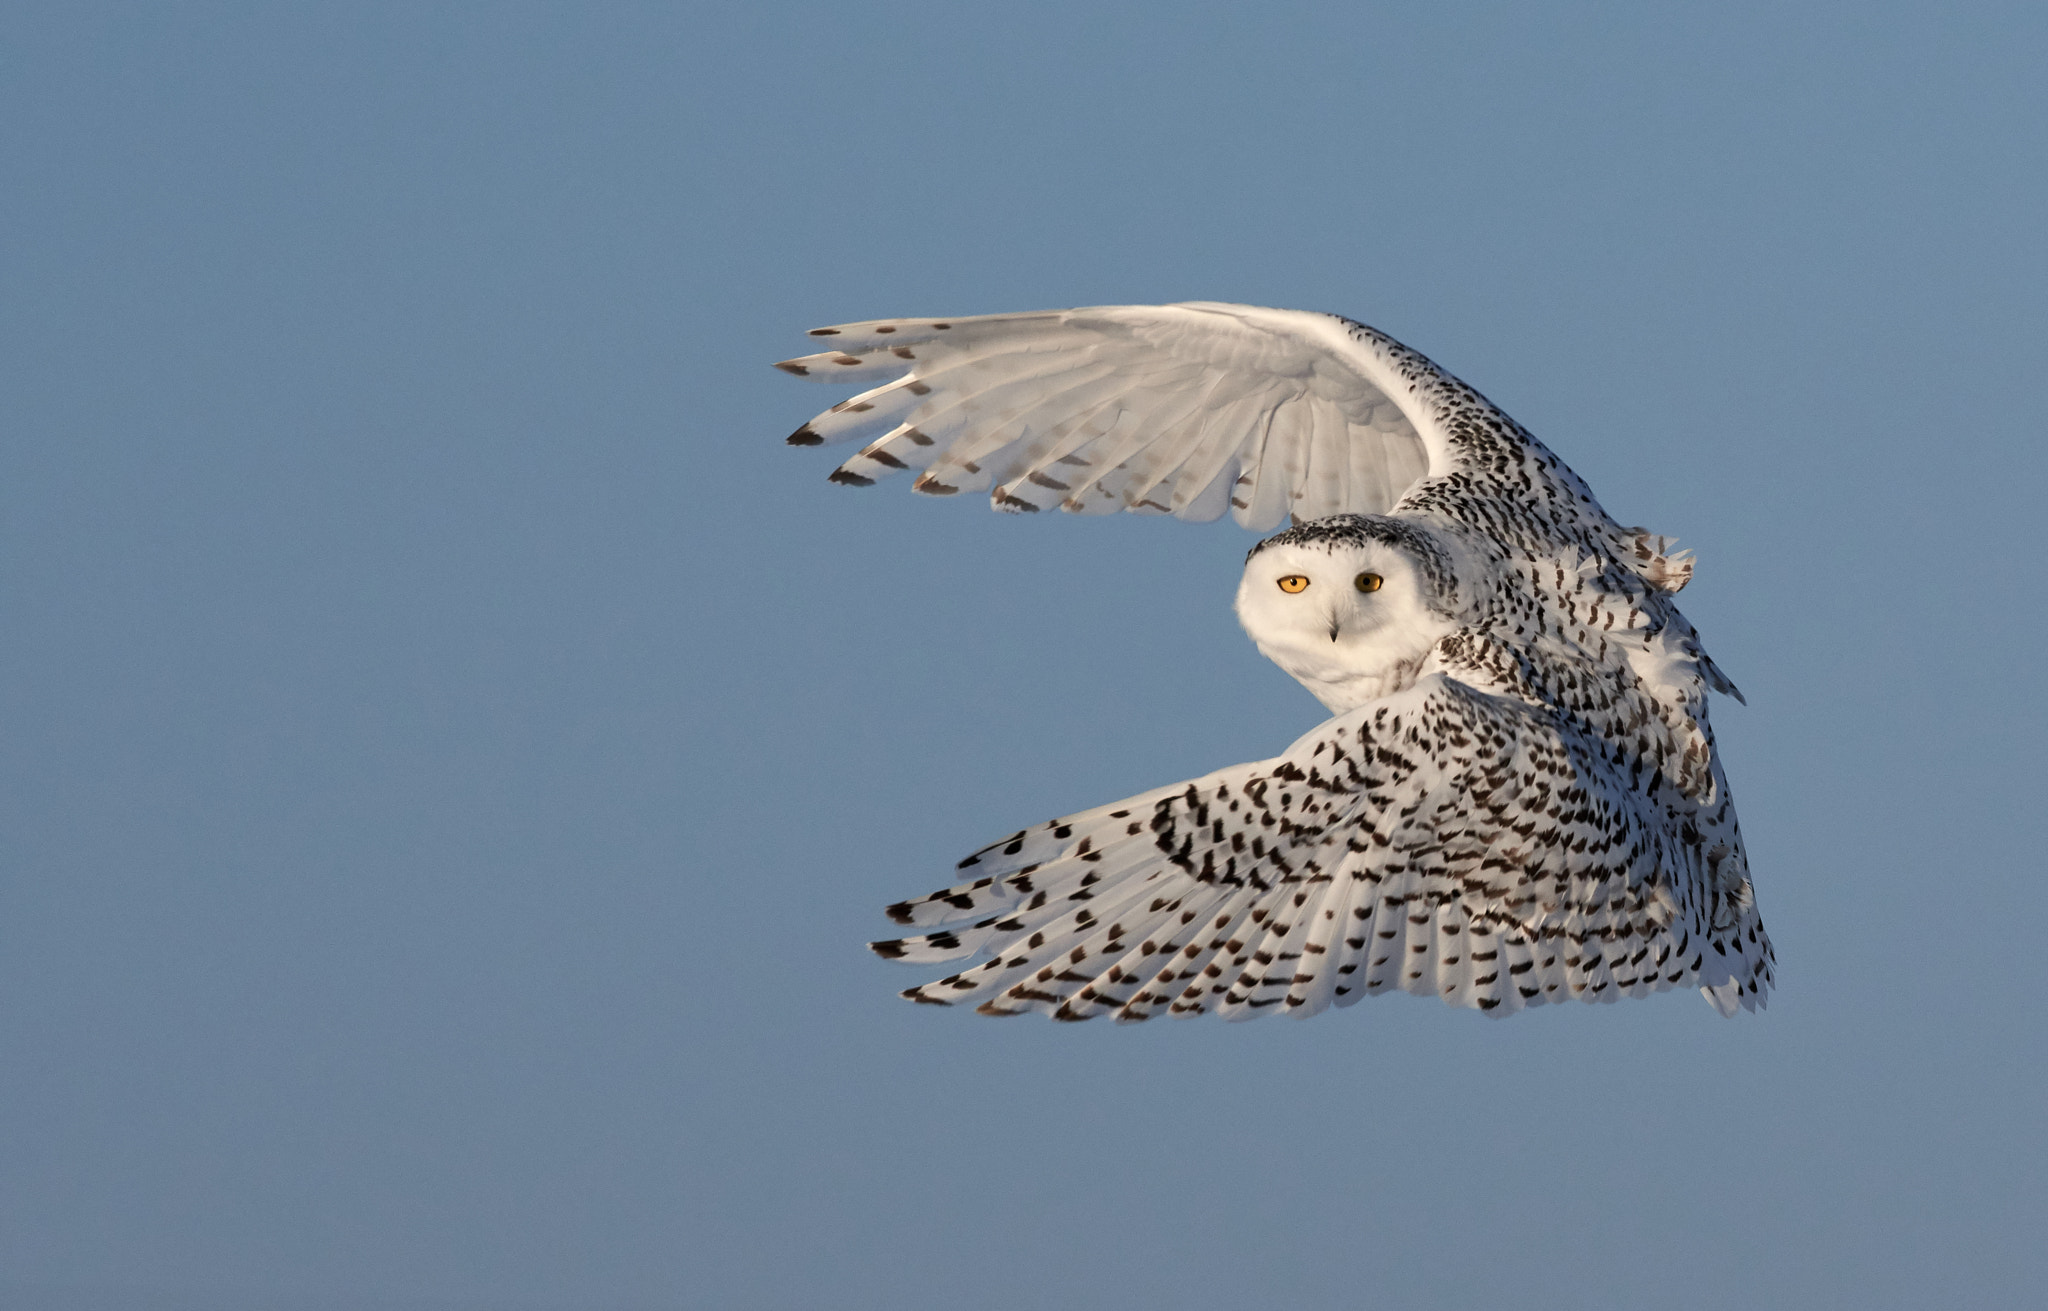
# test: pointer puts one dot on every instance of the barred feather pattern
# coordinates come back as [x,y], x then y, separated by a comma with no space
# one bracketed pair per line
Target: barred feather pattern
[1533,811]
[1443,842]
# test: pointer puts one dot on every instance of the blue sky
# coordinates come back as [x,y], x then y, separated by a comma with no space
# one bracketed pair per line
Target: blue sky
[454,752]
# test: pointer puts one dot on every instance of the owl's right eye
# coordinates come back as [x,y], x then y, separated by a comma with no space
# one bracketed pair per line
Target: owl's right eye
[1293,583]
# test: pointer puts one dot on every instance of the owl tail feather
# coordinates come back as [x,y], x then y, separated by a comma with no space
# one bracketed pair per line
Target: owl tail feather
[1737,969]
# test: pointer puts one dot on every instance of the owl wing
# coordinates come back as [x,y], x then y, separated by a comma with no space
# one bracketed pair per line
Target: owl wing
[1186,410]
[1443,842]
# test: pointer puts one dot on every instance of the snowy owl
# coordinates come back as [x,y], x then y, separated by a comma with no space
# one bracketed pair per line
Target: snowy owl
[1517,799]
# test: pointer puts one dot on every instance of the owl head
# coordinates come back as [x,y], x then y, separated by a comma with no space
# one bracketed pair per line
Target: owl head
[1349,605]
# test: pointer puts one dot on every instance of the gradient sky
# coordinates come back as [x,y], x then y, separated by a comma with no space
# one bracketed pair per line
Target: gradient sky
[451,752]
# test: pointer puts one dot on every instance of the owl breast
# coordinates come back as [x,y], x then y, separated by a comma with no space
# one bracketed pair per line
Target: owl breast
[1349,674]
[1348,687]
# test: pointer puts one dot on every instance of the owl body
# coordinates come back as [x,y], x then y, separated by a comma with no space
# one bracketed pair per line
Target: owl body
[1517,800]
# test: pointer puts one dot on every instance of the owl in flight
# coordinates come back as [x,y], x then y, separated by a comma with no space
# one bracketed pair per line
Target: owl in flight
[1516,799]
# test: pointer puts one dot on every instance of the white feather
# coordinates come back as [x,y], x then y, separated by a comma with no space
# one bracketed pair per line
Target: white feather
[1519,799]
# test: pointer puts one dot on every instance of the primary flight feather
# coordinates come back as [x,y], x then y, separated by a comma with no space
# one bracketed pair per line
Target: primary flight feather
[1517,800]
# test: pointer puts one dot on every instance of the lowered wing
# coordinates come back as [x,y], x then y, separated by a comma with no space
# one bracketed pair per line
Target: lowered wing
[1442,842]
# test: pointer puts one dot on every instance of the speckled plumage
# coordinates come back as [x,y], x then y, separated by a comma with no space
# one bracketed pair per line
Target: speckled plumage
[1518,799]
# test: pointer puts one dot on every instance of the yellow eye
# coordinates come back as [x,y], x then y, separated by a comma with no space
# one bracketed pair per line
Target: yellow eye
[1293,583]
[1368,582]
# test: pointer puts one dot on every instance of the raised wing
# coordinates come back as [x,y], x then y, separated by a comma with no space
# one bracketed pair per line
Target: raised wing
[1186,410]
[1441,842]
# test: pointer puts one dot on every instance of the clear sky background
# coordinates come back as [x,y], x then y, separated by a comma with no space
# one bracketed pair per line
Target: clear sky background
[453,752]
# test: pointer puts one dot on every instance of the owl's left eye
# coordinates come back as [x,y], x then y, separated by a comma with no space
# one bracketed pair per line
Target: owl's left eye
[1293,583]
[1368,582]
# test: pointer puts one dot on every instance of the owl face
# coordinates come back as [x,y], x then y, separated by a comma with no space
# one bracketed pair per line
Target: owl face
[1345,613]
